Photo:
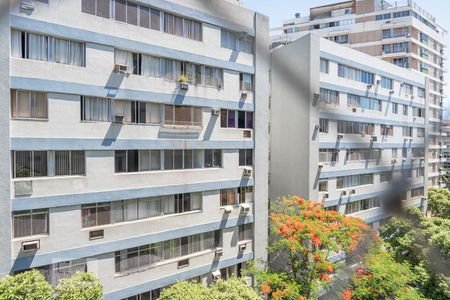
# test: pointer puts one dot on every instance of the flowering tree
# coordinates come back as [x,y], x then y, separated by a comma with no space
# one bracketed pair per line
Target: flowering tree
[304,238]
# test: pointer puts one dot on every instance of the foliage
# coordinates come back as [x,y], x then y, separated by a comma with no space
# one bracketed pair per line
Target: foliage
[29,285]
[439,202]
[231,289]
[79,286]
[381,277]
[423,242]
[182,78]
[304,237]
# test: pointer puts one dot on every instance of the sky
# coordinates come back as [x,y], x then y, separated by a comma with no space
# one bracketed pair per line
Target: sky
[280,10]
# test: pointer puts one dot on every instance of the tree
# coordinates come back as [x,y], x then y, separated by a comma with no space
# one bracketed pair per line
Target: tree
[381,277]
[29,285]
[231,289]
[423,242]
[82,285]
[439,202]
[304,237]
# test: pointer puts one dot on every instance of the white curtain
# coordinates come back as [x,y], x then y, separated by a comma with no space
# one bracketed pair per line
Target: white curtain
[37,47]
[156,160]
[97,109]
[23,104]
[122,57]
[130,210]
[153,113]
[168,205]
[144,160]
[62,51]
[150,66]
[16,44]
[77,54]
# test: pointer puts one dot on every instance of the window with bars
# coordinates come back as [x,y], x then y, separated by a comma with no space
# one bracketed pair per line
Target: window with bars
[69,163]
[246,157]
[30,222]
[28,105]
[178,115]
[349,127]
[236,119]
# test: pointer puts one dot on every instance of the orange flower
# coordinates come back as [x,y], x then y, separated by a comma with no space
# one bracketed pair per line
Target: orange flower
[347,295]
[324,277]
[316,240]
[265,289]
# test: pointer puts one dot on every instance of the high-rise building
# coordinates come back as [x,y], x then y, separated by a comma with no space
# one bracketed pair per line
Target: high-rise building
[401,33]
[135,141]
[344,127]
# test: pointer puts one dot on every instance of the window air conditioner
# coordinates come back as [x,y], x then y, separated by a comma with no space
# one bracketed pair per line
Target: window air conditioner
[326,196]
[374,138]
[228,209]
[247,134]
[242,247]
[354,109]
[316,96]
[23,188]
[369,86]
[118,68]
[321,165]
[244,96]
[245,207]
[27,5]
[219,252]
[412,97]
[391,92]
[216,275]
[118,119]
[340,136]
[247,172]
[352,192]
[394,160]
[31,246]
[243,35]
[378,81]
[343,193]
[215,111]
[96,234]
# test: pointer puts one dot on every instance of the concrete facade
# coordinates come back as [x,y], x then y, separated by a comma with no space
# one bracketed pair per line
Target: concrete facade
[361,163]
[67,243]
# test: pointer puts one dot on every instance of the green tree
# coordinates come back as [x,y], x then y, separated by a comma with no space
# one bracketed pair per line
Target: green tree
[81,285]
[424,243]
[30,285]
[439,202]
[185,290]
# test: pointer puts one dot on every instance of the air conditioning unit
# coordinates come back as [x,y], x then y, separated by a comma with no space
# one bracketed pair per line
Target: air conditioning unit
[402,84]
[228,209]
[316,96]
[183,263]
[244,96]
[354,109]
[352,192]
[388,22]
[31,246]
[374,138]
[394,160]
[23,188]
[118,119]
[27,5]
[247,134]
[242,247]
[340,136]
[216,275]
[247,172]
[441,91]
[215,111]
[184,86]
[369,86]
[408,35]
[391,92]
[412,97]
[321,165]
[378,81]
[245,208]
[317,126]
[118,68]
[326,196]
[441,78]
[343,193]
[219,252]
[96,234]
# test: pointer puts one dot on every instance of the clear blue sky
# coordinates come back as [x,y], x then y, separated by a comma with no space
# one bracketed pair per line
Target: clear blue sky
[279,10]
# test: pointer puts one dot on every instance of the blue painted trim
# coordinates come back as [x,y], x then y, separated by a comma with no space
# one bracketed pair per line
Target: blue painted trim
[26,262]
[25,203]
[122,144]
[349,90]
[357,197]
[360,118]
[348,172]
[52,29]
[344,145]
[186,275]
[365,67]
[52,86]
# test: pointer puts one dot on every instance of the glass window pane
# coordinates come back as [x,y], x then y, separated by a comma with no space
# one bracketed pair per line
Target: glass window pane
[131,13]
[156,160]
[144,16]
[144,160]
[168,159]
[241,119]
[22,225]
[120,13]
[88,6]
[120,161]
[78,165]
[22,164]
[103,8]
[178,159]
[40,163]
[62,163]
[133,160]
[188,159]
[155,19]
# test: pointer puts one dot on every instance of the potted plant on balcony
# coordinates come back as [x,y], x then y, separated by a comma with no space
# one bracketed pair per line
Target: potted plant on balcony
[183,80]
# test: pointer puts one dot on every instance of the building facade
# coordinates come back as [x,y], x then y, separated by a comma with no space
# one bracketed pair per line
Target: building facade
[355,128]
[135,141]
[401,33]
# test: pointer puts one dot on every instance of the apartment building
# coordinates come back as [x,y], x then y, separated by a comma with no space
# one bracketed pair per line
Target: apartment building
[399,32]
[135,142]
[356,124]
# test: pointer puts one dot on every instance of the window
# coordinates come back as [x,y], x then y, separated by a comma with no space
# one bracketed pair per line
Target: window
[387,130]
[246,157]
[328,155]
[363,154]
[417,192]
[96,109]
[46,48]
[99,8]
[30,222]
[214,77]
[136,112]
[137,160]
[236,119]
[353,207]
[421,92]
[407,131]
[182,27]
[213,158]
[386,176]
[246,82]
[323,186]
[409,89]
[363,102]
[29,164]
[418,152]
[420,132]
[405,110]
[329,97]
[323,125]
[228,197]
[418,112]
[340,39]
[348,127]
[69,163]
[93,215]
[386,83]
[395,108]
[354,180]
[28,105]
[401,14]
[404,152]
[245,232]
[245,194]
[144,256]
[420,172]
[394,152]
[178,115]
[237,41]
[355,74]
[324,65]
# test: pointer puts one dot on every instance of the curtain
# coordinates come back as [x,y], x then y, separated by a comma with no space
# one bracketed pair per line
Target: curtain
[16,43]
[22,225]
[150,66]
[97,109]
[144,160]
[23,104]
[77,163]
[196,199]
[40,163]
[168,203]
[62,51]
[39,223]
[76,53]
[62,163]
[39,105]
[37,46]
[117,212]
[22,163]
[122,57]
[155,19]
[155,159]
[153,113]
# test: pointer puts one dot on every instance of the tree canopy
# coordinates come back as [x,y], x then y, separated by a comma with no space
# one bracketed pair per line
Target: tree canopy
[29,285]
[79,286]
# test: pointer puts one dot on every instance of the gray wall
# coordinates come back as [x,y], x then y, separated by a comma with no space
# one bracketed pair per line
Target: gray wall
[295,79]
[5,166]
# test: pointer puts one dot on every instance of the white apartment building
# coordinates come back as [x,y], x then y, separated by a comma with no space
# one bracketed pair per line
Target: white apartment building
[110,164]
[399,32]
[344,125]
